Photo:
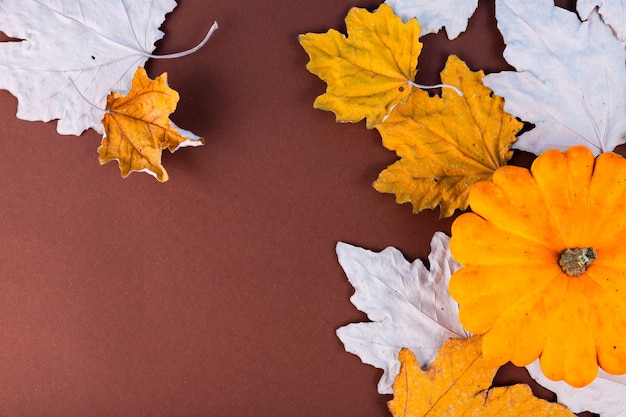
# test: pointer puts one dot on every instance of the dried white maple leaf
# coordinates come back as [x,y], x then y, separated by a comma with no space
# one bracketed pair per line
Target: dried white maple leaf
[452,15]
[570,80]
[72,53]
[408,305]
[613,13]
[605,396]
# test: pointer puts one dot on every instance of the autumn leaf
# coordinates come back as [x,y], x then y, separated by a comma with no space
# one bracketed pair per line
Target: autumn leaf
[452,15]
[73,52]
[407,303]
[446,144]
[613,13]
[459,383]
[369,71]
[604,395]
[569,77]
[137,126]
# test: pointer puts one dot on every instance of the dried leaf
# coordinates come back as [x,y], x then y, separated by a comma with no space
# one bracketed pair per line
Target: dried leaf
[604,396]
[458,384]
[452,15]
[73,52]
[137,126]
[369,71]
[446,144]
[570,77]
[409,305]
[613,13]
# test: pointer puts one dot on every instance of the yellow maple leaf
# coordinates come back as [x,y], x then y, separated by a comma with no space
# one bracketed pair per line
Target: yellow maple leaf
[137,126]
[448,143]
[458,383]
[369,71]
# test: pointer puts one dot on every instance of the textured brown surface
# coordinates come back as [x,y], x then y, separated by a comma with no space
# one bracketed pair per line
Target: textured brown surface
[217,293]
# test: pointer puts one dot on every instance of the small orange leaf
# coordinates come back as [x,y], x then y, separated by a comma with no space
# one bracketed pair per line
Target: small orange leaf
[369,71]
[458,383]
[137,126]
[446,144]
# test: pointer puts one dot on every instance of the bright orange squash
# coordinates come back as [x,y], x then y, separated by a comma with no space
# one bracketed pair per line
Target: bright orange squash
[544,264]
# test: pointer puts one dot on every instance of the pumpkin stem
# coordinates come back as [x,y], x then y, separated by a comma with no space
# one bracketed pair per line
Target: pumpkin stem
[574,261]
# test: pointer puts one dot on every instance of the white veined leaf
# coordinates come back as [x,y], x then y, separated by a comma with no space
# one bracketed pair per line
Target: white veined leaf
[570,78]
[432,16]
[613,13]
[72,53]
[606,395]
[408,305]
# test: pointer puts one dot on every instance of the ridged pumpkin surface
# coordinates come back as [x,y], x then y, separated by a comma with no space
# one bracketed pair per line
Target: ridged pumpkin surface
[511,287]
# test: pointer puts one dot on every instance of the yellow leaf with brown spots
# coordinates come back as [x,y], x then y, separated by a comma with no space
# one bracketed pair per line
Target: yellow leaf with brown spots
[448,143]
[137,126]
[458,383]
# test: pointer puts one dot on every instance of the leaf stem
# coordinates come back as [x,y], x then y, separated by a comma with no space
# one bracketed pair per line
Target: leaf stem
[426,87]
[188,51]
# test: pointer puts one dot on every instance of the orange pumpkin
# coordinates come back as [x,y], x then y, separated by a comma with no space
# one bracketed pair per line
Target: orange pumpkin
[544,264]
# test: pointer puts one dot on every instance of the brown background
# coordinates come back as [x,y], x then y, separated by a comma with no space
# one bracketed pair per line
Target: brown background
[217,293]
